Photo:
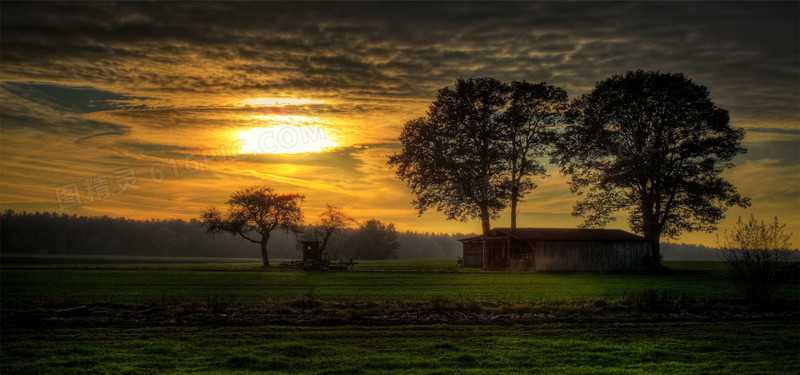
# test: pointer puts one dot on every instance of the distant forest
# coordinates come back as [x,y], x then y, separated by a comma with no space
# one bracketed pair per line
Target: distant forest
[62,234]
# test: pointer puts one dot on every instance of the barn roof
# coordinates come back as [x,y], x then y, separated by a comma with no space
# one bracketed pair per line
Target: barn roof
[559,234]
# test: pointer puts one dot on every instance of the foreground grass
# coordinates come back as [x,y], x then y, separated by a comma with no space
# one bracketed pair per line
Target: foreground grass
[370,282]
[376,288]
[664,348]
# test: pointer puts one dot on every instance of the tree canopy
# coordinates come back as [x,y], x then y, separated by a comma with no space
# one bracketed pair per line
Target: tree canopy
[528,133]
[477,147]
[374,240]
[653,145]
[254,212]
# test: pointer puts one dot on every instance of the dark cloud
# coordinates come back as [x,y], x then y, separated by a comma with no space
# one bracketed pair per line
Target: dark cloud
[782,153]
[746,52]
[394,48]
[54,110]
[71,99]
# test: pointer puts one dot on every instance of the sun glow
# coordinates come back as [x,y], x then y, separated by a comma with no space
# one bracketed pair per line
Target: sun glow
[286,135]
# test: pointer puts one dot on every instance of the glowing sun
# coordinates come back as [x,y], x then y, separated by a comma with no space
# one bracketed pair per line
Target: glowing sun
[287,135]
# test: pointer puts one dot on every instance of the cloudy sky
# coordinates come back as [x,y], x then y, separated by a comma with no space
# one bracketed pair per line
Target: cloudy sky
[156,110]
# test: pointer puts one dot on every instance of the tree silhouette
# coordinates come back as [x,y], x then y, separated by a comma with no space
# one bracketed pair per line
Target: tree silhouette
[452,159]
[478,147]
[653,145]
[257,211]
[528,131]
[374,240]
[332,221]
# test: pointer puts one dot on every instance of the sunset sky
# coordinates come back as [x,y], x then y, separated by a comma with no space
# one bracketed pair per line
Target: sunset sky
[157,110]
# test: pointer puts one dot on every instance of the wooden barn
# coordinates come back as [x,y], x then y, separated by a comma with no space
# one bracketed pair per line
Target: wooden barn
[557,249]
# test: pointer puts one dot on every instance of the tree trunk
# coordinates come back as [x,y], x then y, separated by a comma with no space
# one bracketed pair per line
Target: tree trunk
[655,245]
[485,221]
[513,210]
[655,251]
[264,257]
[324,242]
[651,232]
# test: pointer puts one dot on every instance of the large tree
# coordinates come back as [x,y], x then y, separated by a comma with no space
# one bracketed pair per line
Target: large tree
[528,133]
[653,145]
[452,158]
[254,212]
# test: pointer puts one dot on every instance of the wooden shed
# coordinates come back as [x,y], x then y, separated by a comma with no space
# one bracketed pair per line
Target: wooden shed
[557,249]
[311,250]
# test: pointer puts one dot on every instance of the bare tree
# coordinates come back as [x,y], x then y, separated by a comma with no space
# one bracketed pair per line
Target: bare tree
[332,221]
[255,212]
[758,254]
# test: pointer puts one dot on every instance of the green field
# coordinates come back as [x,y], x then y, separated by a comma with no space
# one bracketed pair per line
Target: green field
[641,348]
[626,340]
[371,281]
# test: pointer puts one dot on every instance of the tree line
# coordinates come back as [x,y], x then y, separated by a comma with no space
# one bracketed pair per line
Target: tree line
[63,234]
[649,144]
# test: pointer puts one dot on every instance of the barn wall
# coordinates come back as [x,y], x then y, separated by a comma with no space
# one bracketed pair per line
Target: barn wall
[496,254]
[520,257]
[590,256]
[472,254]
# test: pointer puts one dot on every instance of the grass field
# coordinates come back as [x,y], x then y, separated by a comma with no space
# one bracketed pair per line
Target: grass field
[371,281]
[640,348]
[582,346]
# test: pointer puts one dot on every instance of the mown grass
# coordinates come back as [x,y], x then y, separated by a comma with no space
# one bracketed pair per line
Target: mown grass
[370,282]
[630,348]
